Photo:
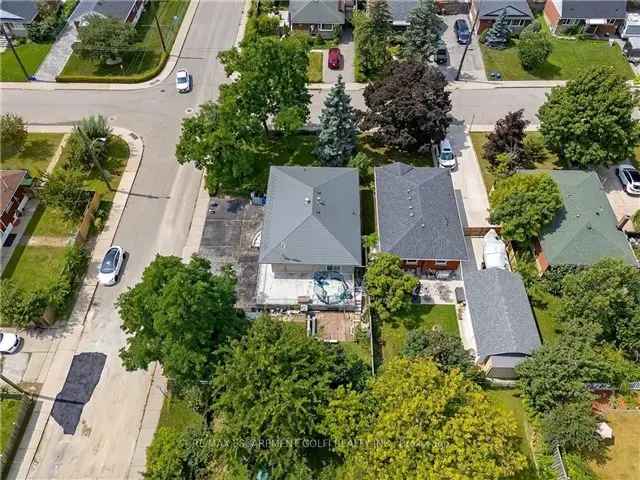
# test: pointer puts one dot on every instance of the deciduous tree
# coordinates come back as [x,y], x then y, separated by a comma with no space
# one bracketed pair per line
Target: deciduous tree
[179,315]
[507,137]
[589,122]
[371,47]
[573,427]
[533,49]
[104,39]
[423,35]
[409,107]
[416,422]
[523,204]
[13,132]
[179,454]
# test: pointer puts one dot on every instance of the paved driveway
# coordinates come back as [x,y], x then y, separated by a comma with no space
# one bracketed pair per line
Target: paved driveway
[621,202]
[473,68]
[347,49]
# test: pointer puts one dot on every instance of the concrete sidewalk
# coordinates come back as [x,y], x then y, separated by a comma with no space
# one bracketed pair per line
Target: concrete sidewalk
[66,336]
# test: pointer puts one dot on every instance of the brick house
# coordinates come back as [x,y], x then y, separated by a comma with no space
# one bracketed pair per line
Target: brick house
[417,218]
[598,17]
[322,18]
[15,192]
[518,13]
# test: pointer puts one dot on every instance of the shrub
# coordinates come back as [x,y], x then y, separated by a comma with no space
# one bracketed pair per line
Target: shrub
[13,133]
[64,189]
[61,292]
[573,427]
[20,308]
[534,150]
[636,221]
[532,27]
[50,21]
[533,49]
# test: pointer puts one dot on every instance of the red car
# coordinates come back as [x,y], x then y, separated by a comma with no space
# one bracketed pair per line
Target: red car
[335,58]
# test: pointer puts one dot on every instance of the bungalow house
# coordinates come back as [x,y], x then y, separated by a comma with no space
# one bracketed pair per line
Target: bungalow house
[501,327]
[584,230]
[16,15]
[310,243]
[15,192]
[128,11]
[595,16]
[323,18]
[517,12]
[417,218]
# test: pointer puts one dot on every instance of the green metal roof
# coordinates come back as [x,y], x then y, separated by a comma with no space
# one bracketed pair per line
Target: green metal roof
[584,230]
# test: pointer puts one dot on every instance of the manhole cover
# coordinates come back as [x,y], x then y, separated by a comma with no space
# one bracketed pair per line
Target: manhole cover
[162,90]
[189,111]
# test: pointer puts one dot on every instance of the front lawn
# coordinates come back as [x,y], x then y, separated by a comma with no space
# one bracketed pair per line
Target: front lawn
[115,163]
[382,154]
[622,459]
[9,409]
[33,267]
[177,414]
[147,56]
[394,332]
[567,59]
[36,154]
[50,222]
[315,67]
[31,54]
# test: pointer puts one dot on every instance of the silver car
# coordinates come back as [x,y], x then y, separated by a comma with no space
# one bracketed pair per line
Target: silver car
[630,178]
[109,270]
[183,81]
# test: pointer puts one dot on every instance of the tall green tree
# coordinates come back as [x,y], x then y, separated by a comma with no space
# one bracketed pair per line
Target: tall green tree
[523,204]
[423,35]
[104,39]
[64,189]
[13,132]
[179,315]
[415,422]
[607,293]
[534,48]
[589,122]
[572,426]
[389,287]
[371,47]
[270,81]
[499,33]
[381,18]
[270,391]
[337,138]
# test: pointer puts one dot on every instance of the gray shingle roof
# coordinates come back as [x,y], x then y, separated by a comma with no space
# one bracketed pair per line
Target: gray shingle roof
[115,8]
[25,9]
[417,213]
[493,8]
[400,10]
[316,11]
[500,313]
[591,8]
[312,217]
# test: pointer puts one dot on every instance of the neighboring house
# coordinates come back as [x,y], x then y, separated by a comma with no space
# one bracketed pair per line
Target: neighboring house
[517,11]
[310,243]
[124,10]
[400,10]
[596,16]
[16,15]
[417,218]
[584,230]
[503,328]
[323,18]
[15,191]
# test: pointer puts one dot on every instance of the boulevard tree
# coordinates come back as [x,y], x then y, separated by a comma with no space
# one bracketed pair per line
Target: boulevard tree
[104,39]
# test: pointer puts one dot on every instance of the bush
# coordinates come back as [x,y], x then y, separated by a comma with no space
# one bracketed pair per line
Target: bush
[20,308]
[50,21]
[64,189]
[533,27]
[573,427]
[534,150]
[636,221]
[554,276]
[13,132]
[61,292]
[533,49]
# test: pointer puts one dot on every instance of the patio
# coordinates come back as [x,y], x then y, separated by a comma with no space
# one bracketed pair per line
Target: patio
[439,292]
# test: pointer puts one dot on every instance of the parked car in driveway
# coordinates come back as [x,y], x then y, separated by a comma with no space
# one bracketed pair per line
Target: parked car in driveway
[441,56]
[446,156]
[109,270]
[463,34]
[9,342]
[334,58]
[630,178]
[183,81]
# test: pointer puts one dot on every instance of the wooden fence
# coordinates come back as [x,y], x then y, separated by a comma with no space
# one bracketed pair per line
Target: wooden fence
[87,219]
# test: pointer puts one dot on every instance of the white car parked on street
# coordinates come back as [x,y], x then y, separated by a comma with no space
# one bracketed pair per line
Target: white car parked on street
[9,342]
[183,81]
[109,270]
[630,178]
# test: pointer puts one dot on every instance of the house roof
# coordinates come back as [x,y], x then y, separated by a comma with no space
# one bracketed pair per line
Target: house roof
[591,8]
[312,217]
[493,8]
[584,230]
[27,10]
[400,10]
[316,11]
[417,213]
[114,8]
[10,180]
[501,316]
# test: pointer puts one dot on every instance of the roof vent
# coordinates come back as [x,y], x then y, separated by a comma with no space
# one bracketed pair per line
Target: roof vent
[422,225]
[410,207]
[589,227]
[411,214]
[577,215]
[307,200]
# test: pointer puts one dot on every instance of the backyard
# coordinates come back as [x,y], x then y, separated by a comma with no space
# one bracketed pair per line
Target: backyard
[315,67]
[395,332]
[146,58]
[31,54]
[622,459]
[567,58]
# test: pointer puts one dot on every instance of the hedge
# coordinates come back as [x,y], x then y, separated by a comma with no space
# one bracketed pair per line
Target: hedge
[26,407]
[142,77]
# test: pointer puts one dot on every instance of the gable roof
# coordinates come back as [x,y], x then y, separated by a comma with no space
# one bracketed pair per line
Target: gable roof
[10,180]
[591,8]
[493,8]
[316,11]
[501,316]
[26,10]
[115,8]
[400,10]
[312,217]
[417,213]
[584,230]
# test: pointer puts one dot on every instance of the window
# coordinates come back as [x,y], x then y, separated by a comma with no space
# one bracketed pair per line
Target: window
[326,27]
[333,268]
[441,263]
[411,262]
[611,21]
[570,21]
[517,22]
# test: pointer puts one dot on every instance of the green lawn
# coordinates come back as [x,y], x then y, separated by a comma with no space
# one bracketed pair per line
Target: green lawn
[147,54]
[50,222]
[315,67]
[31,54]
[34,267]
[567,59]
[9,409]
[621,460]
[394,333]
[361,350]
[177,414]
[546,312]
[115,163]
[36,154]
[478,139]
[382,154]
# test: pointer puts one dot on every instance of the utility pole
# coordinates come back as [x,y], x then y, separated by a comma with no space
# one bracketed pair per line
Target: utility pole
[466,47]
[164,47]
[10,43]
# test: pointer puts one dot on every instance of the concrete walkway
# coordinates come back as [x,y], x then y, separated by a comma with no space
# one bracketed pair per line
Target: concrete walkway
[62,48]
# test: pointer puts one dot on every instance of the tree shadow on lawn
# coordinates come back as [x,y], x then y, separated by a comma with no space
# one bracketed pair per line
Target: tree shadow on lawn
[382,154]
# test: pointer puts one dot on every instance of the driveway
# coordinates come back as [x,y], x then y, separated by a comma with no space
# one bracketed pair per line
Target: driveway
[347,49]
[473,68]
[621,202]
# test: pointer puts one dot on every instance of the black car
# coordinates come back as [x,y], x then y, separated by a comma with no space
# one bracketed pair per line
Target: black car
[441,57]
[463,34]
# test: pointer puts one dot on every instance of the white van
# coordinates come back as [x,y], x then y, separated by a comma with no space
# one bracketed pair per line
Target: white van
[446,156]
